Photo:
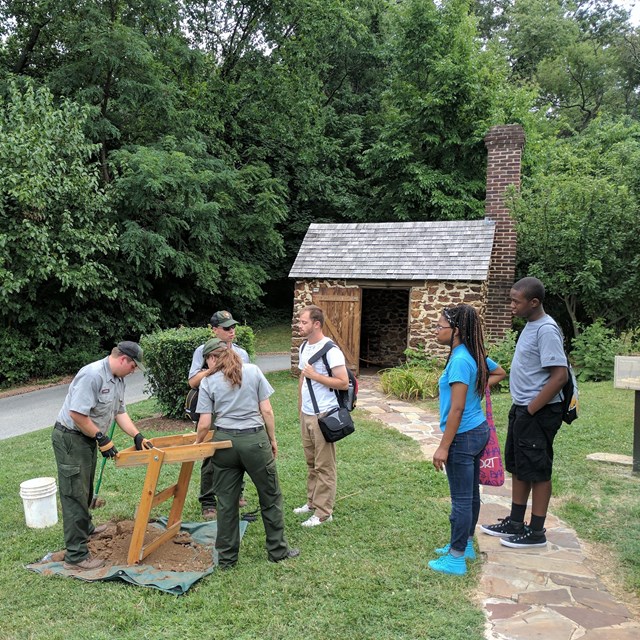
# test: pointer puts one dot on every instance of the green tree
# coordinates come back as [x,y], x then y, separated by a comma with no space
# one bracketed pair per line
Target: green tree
[55,232]
[579,223]
[428,159]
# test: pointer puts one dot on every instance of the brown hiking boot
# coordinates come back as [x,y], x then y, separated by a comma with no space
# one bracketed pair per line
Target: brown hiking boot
[101,528]
[88,564]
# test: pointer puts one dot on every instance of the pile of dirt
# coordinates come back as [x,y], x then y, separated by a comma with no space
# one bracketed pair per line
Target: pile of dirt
[159,422]
[179,554]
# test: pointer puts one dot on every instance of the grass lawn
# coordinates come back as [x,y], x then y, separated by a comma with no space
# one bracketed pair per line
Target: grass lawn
[363,576]
[274,339]
[600,501]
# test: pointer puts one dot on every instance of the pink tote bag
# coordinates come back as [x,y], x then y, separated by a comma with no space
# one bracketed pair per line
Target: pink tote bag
[491,467]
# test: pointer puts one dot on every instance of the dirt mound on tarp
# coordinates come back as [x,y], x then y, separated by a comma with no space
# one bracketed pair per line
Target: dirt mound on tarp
[162,423]
[179,554]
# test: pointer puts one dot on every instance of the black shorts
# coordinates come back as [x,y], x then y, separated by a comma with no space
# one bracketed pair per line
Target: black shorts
[528,451]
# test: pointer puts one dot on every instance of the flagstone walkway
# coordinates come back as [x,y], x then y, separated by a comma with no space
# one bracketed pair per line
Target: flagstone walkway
[551,593]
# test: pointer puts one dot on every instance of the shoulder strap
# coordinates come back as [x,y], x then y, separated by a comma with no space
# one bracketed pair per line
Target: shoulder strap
[322,353]
[314,358]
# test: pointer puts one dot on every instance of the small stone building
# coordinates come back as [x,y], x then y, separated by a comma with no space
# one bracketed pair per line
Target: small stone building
[383,285]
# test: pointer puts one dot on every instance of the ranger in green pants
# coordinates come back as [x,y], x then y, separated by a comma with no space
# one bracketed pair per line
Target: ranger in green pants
[238,395]
[95,398]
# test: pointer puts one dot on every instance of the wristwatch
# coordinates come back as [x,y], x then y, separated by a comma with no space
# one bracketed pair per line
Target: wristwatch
[99,435]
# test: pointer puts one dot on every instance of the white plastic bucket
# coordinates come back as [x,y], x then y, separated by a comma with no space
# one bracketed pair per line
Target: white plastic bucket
[39,499]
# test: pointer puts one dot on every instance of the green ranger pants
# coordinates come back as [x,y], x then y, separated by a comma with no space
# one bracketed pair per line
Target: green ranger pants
[207,495]
[76,462]
[251,452]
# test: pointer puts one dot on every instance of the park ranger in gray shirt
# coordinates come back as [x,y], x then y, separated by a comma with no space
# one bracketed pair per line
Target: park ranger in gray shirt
[223,327]
[94,400]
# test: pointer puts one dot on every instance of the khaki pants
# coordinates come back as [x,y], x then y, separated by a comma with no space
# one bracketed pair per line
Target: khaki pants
[322,475]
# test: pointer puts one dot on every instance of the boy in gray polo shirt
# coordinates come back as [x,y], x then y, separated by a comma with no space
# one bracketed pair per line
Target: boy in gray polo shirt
[538,373]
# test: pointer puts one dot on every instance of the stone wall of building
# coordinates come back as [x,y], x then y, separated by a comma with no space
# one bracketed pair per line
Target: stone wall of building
[384,328]
[386,310]
[504,145]
[426,305]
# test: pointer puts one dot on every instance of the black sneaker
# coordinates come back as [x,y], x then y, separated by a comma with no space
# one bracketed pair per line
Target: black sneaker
[504,527]
[529,538]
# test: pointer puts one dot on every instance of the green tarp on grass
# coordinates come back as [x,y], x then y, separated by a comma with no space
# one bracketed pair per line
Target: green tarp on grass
[176,582]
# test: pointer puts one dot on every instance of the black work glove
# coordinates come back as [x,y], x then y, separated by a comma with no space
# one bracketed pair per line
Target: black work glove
[142,442]
[107,447]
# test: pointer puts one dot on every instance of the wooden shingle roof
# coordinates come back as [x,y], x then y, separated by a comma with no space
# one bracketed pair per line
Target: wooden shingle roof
[452,250]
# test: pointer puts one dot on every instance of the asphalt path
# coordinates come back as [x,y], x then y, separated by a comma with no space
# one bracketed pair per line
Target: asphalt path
[38,409]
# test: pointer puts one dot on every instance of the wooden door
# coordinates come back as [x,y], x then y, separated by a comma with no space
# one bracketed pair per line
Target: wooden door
[342,308]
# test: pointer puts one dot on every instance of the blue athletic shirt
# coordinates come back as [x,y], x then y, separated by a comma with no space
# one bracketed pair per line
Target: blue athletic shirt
[462,368]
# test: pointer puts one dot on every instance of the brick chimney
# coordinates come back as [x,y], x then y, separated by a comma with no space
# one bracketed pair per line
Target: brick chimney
[504,145]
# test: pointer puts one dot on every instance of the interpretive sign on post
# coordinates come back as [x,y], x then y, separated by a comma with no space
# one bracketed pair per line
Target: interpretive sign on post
[627,376]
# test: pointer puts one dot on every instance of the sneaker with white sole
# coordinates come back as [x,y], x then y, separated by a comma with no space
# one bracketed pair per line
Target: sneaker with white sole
[305,508]
[469,552]
[314,521]
[528,538]
[504,527]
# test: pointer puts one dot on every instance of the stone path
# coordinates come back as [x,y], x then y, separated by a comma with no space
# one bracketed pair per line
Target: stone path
[551,593]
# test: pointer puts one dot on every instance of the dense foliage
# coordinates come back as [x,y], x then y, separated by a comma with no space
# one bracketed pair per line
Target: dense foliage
[160,159]
[167,359]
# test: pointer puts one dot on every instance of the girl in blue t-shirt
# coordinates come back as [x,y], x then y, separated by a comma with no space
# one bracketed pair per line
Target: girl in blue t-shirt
[465,430]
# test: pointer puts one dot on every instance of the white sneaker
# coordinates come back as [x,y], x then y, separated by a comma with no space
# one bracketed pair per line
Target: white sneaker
[305,508]
[314,521]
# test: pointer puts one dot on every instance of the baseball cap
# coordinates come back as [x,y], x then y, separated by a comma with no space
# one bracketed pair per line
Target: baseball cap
[213,345]
[133,350]
[222,319]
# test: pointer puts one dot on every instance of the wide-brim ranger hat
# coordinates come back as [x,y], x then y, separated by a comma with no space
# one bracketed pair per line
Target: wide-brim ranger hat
[223,319]
[133,350]
[215,344]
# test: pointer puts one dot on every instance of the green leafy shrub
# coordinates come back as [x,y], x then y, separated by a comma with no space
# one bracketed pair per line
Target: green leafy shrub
[502,353]
[411,381]
[246,338]
[17,359]
[167,357]
[419,357]
[594,352]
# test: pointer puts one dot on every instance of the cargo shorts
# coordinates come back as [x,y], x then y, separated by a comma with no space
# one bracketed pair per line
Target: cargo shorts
[528,451]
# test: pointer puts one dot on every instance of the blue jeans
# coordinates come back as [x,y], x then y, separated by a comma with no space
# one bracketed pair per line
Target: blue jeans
[463,474]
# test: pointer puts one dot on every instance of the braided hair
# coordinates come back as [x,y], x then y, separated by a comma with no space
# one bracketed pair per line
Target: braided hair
[466,319]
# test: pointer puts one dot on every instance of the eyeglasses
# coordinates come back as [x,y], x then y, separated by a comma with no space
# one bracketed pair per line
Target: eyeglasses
[233,326]
[439,327]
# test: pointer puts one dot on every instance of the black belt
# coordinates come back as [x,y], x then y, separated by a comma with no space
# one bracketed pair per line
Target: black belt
[61,427]
[239,432]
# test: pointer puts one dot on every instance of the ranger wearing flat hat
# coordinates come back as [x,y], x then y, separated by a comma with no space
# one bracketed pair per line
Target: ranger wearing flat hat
[223,327]
[94,400]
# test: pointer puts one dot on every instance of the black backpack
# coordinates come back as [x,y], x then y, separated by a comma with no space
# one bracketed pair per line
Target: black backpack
[190,404]
[347,398]
[570,396]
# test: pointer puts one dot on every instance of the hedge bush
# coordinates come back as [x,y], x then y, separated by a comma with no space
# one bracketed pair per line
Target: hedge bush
[167,357]
[594,352]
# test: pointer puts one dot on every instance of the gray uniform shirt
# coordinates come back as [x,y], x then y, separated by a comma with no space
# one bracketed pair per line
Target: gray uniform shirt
[197,361]
[539,346]
[235,407]
[94,392]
